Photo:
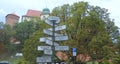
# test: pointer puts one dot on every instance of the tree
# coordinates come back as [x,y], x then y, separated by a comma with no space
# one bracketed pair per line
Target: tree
[63,12]
[87,30]
[116,58]
[9,32]
[30,51]
[2,50]
[24,30]
[5,33]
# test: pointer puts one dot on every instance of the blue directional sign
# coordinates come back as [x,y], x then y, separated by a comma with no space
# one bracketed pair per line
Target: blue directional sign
[74,50]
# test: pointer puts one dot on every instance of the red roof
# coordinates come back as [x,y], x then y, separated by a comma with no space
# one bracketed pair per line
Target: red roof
[12,14]
[33,13]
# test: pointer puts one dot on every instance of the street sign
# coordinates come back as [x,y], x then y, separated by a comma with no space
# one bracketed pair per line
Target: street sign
[43,59]
[44,47]
[49,42]
[48,22]
[74,51]
[57,28]
[48,51]
[48,32]
[57,38]
[56,19]
[61,48]
[52,19]
[61,38]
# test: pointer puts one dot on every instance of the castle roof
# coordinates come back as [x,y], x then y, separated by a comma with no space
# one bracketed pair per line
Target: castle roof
[33,13]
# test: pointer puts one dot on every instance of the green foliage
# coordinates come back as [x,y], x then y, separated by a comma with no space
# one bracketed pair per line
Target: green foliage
[24,30]
[116,58]
[21,61]
[63,12]
[5,33]
[30,51]
[87,28]
[2,50]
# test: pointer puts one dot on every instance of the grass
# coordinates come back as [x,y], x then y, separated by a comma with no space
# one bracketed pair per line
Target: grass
[12,60]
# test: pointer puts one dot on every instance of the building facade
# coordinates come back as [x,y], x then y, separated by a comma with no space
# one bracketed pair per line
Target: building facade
[31,14]
[11,19]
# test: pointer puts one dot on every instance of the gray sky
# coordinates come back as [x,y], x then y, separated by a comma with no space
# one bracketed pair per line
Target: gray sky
[20,7]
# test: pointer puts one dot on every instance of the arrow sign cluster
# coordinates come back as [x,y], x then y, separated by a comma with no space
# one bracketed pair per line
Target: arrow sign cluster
[52,21]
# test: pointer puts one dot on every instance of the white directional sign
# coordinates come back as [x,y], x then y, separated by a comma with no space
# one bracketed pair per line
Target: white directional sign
[57,28]
[48,51]
[52,19]
[48,22]
[61,48]
[48,32]
[44,47]
[61,38]
[56,19]
[57,38]
[49,42]
[43,59]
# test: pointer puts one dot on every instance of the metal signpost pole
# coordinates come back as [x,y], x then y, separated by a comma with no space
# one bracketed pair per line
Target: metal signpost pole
[53,40]
[74,51]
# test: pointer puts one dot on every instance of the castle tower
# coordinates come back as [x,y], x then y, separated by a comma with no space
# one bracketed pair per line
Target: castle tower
[11,19]
[45,13]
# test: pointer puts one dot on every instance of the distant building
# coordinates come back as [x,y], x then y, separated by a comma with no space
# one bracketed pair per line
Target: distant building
[11,19]
[45,13]
[31,14]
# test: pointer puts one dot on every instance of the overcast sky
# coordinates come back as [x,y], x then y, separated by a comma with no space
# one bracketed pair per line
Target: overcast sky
[20,7]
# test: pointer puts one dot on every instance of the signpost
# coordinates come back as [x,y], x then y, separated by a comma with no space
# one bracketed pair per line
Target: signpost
[44,47]
[61,48]
[57,38]
[58,28]
[74,51]
[51,40]
[43,59]
[48,32]
[48,51]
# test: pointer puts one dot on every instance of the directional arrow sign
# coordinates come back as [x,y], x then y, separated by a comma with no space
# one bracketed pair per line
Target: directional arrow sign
[52,19]
[61,38]
[44,47]
[61,48]
[57,38]
[48,51]
[48,22]
[49,42]
[43,59]
[56,19]
[57,28]
[48,32]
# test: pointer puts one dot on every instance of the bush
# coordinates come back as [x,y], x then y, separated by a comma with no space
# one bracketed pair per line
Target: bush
[21,61]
